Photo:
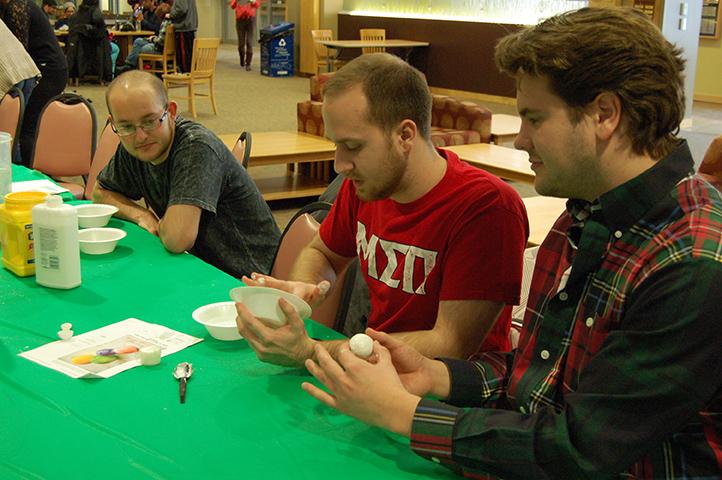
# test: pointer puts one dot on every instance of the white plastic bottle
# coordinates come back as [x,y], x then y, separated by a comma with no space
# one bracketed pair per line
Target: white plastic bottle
[57,254]
[6,178]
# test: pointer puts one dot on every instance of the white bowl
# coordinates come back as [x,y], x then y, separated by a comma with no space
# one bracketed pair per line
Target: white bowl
[94,214]
[263,303]
[219,319]
[96,241]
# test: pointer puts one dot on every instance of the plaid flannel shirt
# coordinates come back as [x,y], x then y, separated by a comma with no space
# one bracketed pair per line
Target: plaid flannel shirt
[618,372]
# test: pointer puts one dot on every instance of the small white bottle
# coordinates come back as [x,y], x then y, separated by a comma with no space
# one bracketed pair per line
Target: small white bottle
[57,253]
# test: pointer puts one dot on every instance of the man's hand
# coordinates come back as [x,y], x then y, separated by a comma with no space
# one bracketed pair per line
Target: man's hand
[311,294]
[149,222]
[371,392]
[407,361]
[286,345]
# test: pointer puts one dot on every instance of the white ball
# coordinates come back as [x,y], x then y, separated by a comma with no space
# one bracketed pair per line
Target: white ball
[361,345]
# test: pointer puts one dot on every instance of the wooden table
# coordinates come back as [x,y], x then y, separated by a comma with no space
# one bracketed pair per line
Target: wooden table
[276,148]
[542,213]
[338,45]
[503,162]
[504,128]
[125,41]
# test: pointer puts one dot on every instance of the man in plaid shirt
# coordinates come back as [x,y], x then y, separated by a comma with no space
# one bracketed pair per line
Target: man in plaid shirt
[618,372]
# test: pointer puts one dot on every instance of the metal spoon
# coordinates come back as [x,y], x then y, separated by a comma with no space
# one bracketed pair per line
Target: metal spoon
[182,373]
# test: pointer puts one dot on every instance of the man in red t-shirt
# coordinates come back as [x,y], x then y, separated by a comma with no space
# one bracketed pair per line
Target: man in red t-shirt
[440,243]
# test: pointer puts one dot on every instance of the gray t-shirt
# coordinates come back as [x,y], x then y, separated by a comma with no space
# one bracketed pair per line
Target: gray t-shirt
[237,232]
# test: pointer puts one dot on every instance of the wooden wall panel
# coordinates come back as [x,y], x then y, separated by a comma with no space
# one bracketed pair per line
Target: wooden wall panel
[460,55]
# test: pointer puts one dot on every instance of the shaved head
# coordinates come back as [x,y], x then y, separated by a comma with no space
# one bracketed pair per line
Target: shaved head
[135,80]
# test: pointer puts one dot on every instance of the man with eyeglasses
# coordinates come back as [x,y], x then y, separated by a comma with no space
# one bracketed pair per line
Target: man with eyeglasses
[200,198]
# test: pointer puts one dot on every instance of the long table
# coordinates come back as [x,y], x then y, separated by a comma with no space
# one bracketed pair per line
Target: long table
[242,418]
[542,213]
[503,162]
[125,40]
[276,148]
[408,46]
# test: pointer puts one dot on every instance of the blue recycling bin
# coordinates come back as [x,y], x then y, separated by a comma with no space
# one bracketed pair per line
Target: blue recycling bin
[277,50]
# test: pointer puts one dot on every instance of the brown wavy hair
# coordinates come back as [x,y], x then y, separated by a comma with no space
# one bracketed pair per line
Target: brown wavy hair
[593,50]
[394,90]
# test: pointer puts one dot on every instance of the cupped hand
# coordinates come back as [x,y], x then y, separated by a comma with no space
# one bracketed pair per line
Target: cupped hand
[411,366]
[287,345]
[371,392]
[308,292]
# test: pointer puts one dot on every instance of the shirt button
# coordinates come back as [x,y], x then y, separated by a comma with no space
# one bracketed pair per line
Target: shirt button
[544,354]
[618,234]
[563,296]
[589,322]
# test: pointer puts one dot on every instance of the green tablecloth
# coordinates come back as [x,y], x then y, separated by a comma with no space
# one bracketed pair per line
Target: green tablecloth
[21,174]
[242,418]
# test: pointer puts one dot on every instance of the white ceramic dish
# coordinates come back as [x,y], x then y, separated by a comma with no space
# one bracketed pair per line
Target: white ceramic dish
[263,303]
[92,215]
[219,319]
[96,241]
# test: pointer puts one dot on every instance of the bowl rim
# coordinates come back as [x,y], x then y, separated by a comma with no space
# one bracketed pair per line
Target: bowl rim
[84,206]
[304,309]
[120,233]
[207,307]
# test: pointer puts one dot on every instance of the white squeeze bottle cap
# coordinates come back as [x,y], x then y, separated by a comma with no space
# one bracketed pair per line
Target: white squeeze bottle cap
[57,253]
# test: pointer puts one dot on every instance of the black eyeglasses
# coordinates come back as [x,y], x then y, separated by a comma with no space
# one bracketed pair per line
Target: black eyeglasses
[127,129]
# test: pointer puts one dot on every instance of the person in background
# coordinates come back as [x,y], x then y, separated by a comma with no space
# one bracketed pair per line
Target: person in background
[148,19]
[31,27]
[618,371]
[50,8]
[185,23]
[440,243]
[88,48]
[152,44]
[17,69]
[68,9]
[245,28]
[201,198]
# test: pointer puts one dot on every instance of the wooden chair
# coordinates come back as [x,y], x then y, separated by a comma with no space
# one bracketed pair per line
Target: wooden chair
[12,107]
[65,140]
[298,233]
[373,34]
[320,52]
[158,62]
[203,70]
[107,146]
[711,166]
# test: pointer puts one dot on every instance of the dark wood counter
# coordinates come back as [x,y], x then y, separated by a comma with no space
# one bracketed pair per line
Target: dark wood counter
[460,55]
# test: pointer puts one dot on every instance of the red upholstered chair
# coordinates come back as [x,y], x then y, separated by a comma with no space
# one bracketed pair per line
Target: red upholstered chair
[107,146]
[454,122]
[711,166]
[298,233]
[12,106]
[65,140]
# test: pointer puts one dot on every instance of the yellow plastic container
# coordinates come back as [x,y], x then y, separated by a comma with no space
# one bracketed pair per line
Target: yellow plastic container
[16,231]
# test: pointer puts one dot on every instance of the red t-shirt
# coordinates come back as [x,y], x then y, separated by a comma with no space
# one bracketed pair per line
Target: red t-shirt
[463,240]
[244,9]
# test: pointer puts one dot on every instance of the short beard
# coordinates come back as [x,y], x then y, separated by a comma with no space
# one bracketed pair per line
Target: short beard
[393,167]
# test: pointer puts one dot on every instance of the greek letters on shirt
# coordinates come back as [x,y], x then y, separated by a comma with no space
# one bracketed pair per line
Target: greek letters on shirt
[369,249]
